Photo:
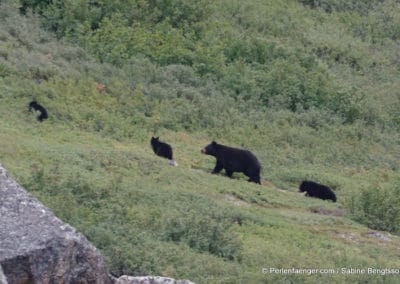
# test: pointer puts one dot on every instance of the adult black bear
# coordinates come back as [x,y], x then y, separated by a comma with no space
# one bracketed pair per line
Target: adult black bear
[37,107]
[163,150]
[234,160]
[317,190]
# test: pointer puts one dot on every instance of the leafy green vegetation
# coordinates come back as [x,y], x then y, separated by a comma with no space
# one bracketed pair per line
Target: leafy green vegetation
[310,87]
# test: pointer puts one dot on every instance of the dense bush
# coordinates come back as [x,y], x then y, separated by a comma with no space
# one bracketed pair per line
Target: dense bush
[378,207]
[240,50]
[341,5]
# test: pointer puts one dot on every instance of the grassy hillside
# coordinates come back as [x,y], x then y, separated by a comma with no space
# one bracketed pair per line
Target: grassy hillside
[310,87]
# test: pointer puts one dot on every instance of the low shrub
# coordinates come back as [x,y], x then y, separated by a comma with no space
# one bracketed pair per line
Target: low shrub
[204,234]
[378,207]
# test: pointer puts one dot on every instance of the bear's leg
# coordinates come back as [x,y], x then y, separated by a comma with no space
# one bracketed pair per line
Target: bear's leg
[228,173]
[255,179]
[218,168]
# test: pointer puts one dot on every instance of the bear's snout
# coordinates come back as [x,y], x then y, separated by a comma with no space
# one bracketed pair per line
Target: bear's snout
[203,151]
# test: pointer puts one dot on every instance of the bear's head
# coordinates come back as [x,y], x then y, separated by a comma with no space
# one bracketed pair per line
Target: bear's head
[32,104]
[303,186]
[154,140]
[210,149]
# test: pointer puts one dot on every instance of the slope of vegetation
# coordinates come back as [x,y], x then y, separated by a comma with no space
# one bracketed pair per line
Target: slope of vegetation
[311,87]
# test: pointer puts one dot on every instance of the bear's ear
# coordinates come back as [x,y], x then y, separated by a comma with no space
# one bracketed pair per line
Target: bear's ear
[214,143]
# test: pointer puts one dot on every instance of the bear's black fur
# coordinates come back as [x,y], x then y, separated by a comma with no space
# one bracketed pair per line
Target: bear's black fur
[37,107]
[162,149]
[317,190]
[234,160]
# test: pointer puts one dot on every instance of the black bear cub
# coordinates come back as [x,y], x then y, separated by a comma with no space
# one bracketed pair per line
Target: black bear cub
[37,107]
[234,160]
[163,150]
[317,190]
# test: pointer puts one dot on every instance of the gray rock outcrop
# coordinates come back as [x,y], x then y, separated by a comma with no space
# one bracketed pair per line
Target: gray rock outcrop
[37,247]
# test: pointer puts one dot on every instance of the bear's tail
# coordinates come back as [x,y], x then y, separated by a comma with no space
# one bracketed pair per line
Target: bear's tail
[173,163]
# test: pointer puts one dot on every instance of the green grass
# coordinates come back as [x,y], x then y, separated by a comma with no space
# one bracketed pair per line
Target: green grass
[129,202]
